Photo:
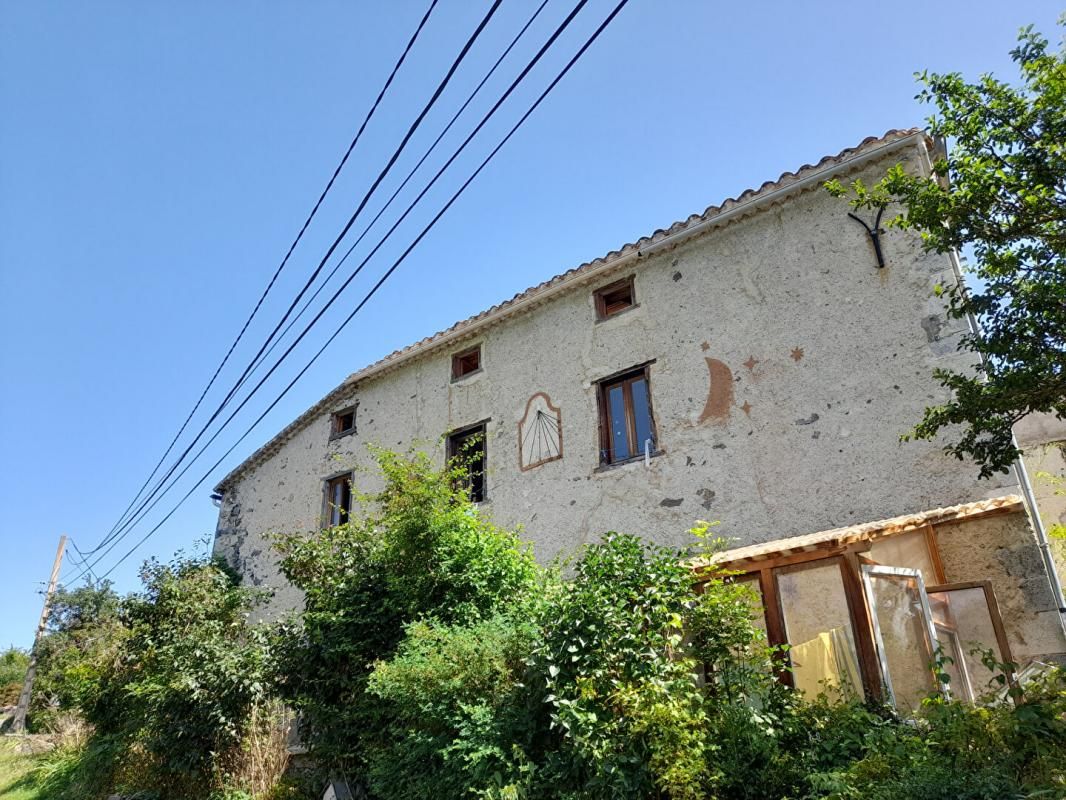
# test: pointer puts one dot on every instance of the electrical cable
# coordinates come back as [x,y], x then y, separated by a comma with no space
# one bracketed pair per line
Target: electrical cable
[396,154]
[389,272]
[401,187]
[141,513]
[85,567]
[280,267]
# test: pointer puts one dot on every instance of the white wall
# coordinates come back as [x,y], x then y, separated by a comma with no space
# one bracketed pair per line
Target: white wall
[843,355]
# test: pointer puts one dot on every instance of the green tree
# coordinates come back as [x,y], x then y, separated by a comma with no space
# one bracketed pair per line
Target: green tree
[417,557]
[184,685]
[1000,193]
[13,663]
[79,650]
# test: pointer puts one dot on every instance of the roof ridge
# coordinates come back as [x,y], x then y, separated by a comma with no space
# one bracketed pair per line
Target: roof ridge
[785,179]
[588,268]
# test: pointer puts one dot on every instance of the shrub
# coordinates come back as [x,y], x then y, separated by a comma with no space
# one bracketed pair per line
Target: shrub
[13,663]
[620,714]
[419,551]
[82,645]
[191,670]
[957,752]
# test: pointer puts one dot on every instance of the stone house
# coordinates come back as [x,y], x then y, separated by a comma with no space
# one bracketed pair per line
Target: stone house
[753,364]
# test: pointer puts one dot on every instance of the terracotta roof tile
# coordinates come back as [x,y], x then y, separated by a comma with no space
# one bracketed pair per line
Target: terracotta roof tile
[743,557]
[534,295]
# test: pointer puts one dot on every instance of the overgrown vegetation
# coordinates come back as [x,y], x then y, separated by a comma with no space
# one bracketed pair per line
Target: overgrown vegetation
[433,657]
[13,663]
[163,693]
[1001,192]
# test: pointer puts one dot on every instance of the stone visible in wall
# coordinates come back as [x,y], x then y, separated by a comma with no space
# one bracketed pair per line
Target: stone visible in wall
[1003,549]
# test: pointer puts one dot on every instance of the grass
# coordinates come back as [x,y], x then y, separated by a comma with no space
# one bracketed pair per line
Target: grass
[14,769]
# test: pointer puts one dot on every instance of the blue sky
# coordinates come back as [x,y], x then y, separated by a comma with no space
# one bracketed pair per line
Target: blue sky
[156,159]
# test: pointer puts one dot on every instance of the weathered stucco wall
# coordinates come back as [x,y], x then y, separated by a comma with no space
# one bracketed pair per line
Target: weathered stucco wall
[1043,439]
[820,362]
[1003,549]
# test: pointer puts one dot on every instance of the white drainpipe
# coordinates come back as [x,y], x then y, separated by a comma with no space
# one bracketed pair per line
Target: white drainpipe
[1041,538]
[1019,465]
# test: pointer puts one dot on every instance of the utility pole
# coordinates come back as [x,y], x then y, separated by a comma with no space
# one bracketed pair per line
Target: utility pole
[18,722]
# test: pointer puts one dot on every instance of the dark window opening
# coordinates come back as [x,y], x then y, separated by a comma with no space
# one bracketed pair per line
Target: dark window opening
[467,448]
[338,500]
[466,362]
[627,430]
[615,298]
[342,423]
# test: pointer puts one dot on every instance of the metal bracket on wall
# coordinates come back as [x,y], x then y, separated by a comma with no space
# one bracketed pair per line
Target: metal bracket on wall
[874,233]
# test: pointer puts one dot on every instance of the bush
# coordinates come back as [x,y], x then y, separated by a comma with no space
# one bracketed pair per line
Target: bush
[190,672]
[170,680]
[82,645]
[435,658]
[617,711]
[13,663]
[957,752]
[419,552]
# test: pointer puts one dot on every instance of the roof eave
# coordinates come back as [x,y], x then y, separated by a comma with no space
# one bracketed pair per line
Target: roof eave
[848,160]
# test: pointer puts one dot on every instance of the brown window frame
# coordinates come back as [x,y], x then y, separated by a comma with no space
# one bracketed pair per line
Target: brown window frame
[458,371]
[335,429]
[477,485]
[337,514]
[625,379]
[850,558]
[601,297]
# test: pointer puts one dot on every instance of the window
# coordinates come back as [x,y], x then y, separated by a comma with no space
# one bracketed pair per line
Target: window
[817,621]
[467,446]
[466,362]
[338,500]
[614,298]
[342,423]
[627,430]
[858,627]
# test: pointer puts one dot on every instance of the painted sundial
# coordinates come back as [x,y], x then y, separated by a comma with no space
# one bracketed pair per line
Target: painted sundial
[540,433]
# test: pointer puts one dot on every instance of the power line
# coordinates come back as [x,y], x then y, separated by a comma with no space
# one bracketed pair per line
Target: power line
[148,506]
[280,267]
[383,278]
[362,204]
[81,558]
[401,187]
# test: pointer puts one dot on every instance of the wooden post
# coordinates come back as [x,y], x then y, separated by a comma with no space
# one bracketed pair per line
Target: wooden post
[18,722]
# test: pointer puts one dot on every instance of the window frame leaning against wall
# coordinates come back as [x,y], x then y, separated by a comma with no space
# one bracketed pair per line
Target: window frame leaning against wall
[626,381]
[456,441]
[333,513]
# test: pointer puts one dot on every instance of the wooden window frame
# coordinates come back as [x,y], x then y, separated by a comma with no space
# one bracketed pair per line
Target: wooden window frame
[452,451]
[327,499]
[850,556]
[335,431]
[625,378]
[600,298]
[994,613]
[457,361]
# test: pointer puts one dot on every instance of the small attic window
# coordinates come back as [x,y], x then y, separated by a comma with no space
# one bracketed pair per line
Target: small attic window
[342,423]
[614,298]
[466,362]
